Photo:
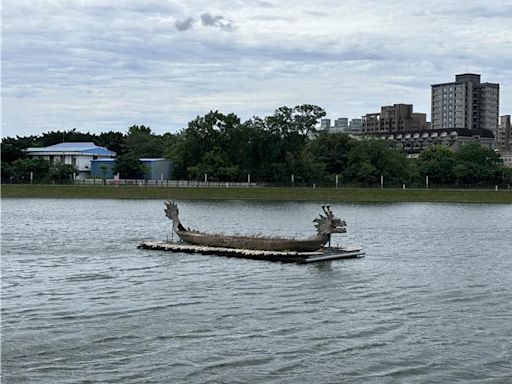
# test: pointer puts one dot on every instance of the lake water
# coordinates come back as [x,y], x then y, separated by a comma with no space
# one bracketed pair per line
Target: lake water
[430,303]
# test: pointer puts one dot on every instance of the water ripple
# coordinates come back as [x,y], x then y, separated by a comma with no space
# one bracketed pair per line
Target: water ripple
[80,304]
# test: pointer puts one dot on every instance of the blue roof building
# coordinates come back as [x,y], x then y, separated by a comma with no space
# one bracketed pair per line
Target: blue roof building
[78,154]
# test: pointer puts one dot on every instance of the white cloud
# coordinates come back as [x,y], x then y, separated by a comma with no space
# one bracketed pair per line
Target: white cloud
[105,65]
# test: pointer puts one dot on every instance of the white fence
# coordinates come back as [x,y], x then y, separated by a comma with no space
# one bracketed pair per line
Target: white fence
[165,183]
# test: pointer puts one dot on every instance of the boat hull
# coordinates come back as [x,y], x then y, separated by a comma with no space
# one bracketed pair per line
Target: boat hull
[256,243]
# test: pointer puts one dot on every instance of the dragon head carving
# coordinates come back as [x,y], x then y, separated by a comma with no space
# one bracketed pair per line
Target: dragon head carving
[329,223]
[172,212]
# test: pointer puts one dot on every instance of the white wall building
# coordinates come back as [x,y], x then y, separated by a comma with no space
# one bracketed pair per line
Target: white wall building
[79,155]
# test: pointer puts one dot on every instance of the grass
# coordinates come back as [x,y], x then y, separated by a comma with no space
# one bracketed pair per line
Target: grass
[258,193]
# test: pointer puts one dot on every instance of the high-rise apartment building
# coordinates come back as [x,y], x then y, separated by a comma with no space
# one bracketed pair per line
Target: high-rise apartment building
[341,124]
[504,134]
[354,127]
[394,118]
[465,103]
[325,124]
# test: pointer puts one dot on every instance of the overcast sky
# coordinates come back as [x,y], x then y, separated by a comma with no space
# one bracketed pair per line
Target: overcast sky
[101,65]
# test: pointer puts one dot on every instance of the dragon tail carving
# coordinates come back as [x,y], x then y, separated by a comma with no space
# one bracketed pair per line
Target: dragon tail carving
[172,212]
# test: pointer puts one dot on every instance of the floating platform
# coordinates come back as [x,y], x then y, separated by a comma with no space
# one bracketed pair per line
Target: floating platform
[328,253]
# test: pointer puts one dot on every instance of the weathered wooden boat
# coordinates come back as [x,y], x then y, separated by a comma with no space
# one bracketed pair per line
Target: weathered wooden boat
[281,249]
[325,225]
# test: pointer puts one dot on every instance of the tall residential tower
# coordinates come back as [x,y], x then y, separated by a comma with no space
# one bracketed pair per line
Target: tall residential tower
[465,103]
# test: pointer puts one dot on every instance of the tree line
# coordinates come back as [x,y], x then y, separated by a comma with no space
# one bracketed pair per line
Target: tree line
[269,149]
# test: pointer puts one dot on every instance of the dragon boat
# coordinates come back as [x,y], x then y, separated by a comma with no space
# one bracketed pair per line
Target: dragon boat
[325,225]
[283,249]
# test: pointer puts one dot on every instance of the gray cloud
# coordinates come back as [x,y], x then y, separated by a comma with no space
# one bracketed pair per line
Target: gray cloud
[209,20]
[495,11]
[111,64]
[265,4]
[184,25]
[258,3]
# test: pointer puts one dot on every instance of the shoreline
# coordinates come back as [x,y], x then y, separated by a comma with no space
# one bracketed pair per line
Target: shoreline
[258,193]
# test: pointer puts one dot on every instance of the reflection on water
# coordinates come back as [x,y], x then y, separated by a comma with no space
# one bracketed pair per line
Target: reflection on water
[431,302]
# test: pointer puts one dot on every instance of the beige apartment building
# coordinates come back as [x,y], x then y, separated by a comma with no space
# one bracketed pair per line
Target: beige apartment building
[504,135]
[394,118]
[504,140]
[465,103]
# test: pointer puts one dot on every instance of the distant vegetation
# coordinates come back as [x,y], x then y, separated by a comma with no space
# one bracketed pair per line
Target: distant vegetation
[271,150]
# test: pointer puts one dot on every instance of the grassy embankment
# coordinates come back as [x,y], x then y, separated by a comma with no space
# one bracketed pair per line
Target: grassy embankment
[273,193]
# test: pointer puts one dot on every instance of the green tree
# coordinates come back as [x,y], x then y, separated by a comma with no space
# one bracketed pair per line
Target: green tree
[507,176]
[477,165]
[369,159]
[284,139]
[7,171]
[129,167]
[331,149]
[56,137]
[269,149]
[12,147]
[291,126]
[305,168]
[437,162]
[306,117]
[113,141]
[22,168]
[266,158]
[203,135]
[214,163]
[141,142]
[61,171]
